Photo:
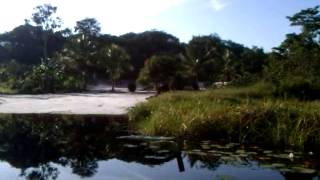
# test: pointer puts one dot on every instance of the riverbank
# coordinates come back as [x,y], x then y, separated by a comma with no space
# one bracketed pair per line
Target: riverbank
[72,103]
[245,115]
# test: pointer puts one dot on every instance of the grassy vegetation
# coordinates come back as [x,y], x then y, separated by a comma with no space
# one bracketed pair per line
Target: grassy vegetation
[5,89]
[246,115]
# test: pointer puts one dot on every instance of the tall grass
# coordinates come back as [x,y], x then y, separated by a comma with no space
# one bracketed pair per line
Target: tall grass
[245,115]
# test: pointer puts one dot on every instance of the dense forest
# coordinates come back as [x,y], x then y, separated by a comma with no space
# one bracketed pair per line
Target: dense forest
[40,57]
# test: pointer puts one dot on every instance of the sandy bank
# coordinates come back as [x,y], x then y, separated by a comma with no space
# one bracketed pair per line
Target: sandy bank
[73,103]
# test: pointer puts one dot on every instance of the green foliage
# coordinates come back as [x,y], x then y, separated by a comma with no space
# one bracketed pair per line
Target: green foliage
[116,62]
[84,57]
[80,57]
[42,78]
[43,16]
[5,89]
[88,27]
[309,19]
[141,46]
[210,59]
[294,65]
[132,87]
[50,77]
[299,87]
[204,57]
[245,115]
[11,74]
[160,70]
[24,44]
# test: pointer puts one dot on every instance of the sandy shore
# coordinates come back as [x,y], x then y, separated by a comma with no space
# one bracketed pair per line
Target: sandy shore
[73,103]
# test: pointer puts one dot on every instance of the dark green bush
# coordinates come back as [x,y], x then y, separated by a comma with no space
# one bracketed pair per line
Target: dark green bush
[132,87]
[298,87]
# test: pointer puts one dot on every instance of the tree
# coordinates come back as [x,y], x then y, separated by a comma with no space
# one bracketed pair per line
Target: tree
[86,45]
[23,44]
[44,17]
[204,58]
[88,27]
[142,46]
[160,70]
[294,65]
[300,52]
[309,20]
[43,78]
[115,59]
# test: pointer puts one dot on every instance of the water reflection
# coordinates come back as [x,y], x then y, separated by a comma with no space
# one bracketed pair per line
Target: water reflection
[40,146]
[32,142]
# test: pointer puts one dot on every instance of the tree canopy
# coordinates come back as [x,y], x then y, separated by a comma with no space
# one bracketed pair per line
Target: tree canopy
[88,27]
[115,61]
[39,48]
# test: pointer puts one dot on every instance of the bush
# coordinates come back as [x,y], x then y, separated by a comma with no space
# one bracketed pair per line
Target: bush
[298,87]
[195,85]
[160,71]
[51,78]
[132,87]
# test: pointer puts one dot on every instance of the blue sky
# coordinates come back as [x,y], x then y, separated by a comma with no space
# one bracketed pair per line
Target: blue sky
[249,22]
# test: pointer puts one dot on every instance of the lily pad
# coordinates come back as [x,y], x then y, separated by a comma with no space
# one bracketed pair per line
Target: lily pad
[130,146]
[198,153]
[266,152]
[243,155]
[252,153]
[267,166]
[240,151]
[155,157]
[278,165]
[304,170]
[279,156]
[154,147]
[227,158]
[206,147]
[286,170]
[163,151]
[149,138]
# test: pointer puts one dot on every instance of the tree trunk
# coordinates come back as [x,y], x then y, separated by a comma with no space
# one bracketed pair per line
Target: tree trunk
[157,88]
[113,85]
[45,47]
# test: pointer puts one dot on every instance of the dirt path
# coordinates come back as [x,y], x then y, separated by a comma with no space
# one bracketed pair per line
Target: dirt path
[73,103]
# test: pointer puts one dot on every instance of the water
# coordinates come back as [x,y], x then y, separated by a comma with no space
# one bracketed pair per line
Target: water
[86,147]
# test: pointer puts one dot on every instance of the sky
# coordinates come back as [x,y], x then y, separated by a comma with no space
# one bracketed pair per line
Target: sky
[262,23]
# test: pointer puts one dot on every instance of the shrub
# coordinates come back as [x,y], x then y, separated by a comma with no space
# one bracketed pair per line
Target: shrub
[298,87]
[132,87]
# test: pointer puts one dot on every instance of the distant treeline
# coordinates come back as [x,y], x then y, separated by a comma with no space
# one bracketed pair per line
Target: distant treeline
[40,57]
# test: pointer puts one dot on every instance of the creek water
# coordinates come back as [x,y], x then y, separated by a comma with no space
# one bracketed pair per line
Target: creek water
[60,147]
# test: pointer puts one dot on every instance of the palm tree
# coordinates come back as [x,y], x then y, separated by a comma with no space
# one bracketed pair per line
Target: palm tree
[194,65]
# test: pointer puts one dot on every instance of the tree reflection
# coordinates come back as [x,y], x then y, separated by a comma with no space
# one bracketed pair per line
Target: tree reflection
[43,172]
[38,145]
[35,143]
[204,162]
[84,167]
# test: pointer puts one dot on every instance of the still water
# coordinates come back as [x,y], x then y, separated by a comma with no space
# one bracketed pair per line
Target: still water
[50,147]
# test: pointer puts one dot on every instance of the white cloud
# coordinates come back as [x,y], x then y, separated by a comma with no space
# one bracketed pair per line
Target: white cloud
[218,5]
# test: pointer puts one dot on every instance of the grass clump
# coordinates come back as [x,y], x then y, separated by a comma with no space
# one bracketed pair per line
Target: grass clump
[245,115]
